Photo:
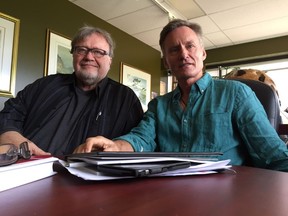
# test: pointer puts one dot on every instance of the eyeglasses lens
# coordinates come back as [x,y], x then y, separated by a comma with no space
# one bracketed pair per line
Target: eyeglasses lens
[8,154]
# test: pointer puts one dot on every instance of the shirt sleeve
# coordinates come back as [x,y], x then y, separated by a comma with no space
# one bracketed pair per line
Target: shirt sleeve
[15,111]
[142,137]
[264,146]
[13,115]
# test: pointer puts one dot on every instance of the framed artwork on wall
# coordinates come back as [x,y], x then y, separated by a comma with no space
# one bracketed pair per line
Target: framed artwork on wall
[139,81]
[58,58]
[9,38]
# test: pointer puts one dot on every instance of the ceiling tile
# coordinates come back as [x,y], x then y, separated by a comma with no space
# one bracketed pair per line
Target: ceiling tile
[188,8]
[212,6]
[166,6]
[112,8]
[259,31]
[207,25]
[254,13]
[208,44]
[219,39]
[151,37]
[147,19]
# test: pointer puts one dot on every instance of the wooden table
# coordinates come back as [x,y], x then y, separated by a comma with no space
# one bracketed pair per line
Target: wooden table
[250,192]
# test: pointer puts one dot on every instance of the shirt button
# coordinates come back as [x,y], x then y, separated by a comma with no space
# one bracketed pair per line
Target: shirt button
[185,120]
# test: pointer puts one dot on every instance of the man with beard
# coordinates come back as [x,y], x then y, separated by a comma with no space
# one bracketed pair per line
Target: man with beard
[57,113]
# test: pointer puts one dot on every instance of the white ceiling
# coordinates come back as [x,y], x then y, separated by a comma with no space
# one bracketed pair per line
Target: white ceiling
[224,22]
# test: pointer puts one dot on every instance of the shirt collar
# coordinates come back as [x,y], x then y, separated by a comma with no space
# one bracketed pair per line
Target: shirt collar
[200,86]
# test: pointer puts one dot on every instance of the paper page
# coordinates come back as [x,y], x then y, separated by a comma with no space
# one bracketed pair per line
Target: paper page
[81,170]
[207,167]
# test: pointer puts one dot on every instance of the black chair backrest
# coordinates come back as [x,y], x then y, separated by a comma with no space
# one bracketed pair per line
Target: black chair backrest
[269,99]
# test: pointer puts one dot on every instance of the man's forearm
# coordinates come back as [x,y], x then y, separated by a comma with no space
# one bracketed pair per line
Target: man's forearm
[124,146]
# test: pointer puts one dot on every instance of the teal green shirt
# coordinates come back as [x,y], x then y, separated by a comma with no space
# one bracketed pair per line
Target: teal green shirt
[221,116]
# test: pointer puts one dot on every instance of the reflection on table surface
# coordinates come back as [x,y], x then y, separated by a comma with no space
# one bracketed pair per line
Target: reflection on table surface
[250,191]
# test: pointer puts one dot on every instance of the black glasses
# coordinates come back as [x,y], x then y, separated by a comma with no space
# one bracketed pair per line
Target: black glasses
[10,153]
[83,51]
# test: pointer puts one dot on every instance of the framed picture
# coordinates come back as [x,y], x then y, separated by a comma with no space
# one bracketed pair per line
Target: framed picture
[9,38]
[58,57]
[138,81]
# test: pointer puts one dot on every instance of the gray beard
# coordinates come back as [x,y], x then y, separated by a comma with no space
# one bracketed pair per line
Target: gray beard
[88,80]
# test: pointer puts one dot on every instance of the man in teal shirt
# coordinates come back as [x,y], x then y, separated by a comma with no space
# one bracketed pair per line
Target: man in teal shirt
[201,114]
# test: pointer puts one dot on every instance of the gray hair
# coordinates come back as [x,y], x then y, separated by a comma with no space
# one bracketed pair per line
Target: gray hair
[86,31]
[176,23]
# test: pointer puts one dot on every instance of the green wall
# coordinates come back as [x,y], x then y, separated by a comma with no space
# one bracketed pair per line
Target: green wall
[61,16]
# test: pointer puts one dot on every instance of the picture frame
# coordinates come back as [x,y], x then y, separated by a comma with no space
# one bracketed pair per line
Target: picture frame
[58,58]
[9,40]
[139,81]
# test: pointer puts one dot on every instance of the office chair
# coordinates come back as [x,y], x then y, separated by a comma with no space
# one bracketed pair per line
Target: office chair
[268,98]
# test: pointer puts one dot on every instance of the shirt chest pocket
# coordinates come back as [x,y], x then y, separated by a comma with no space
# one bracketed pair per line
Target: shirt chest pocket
[213,129]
